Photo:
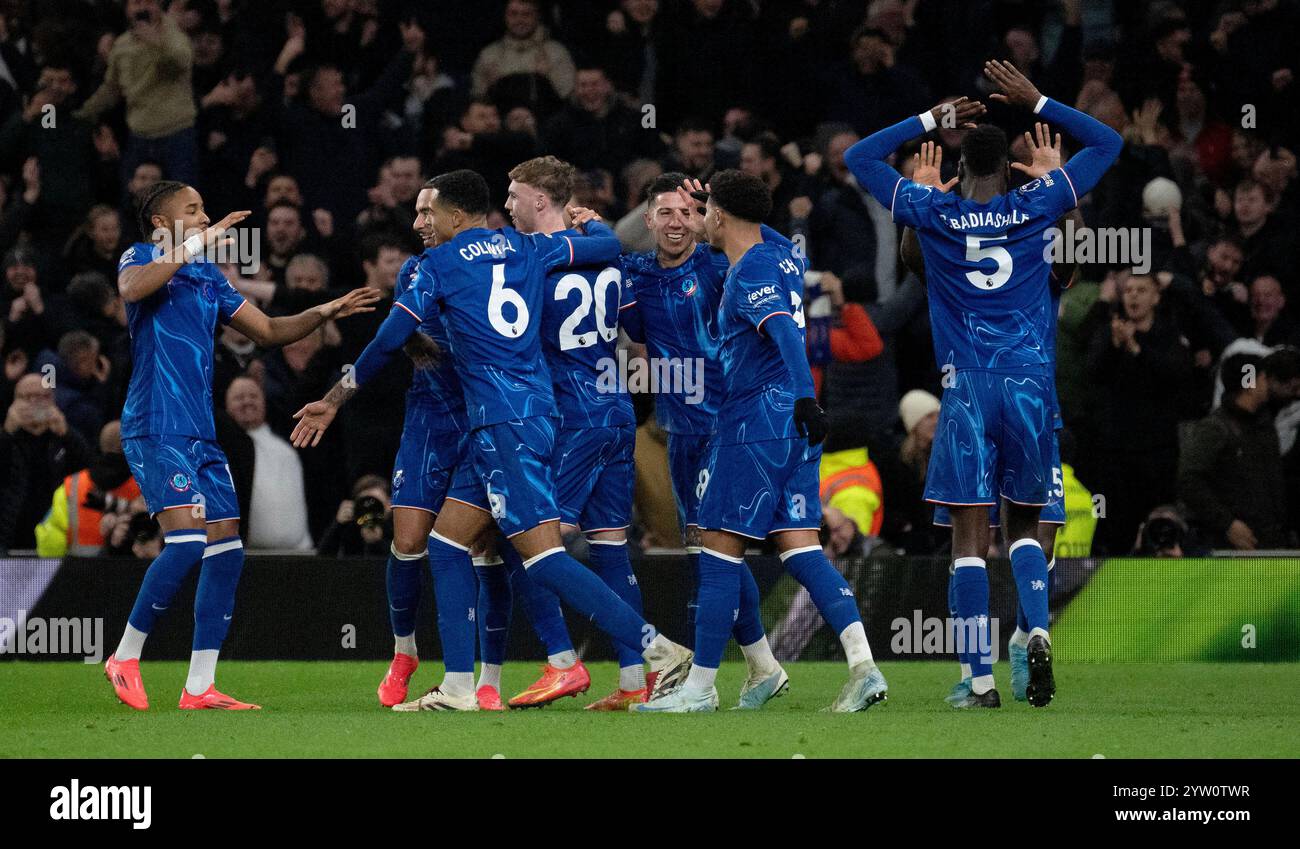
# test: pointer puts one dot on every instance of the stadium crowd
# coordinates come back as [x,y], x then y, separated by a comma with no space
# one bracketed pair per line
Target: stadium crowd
[1178,371]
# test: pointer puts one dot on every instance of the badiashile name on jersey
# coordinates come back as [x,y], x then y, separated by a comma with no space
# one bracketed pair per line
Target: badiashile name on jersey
[986,220]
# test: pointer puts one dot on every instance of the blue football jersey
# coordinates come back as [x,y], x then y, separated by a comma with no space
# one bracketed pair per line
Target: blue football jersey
[677,316]
[986,270]
[488,285]
[759,390]
[172,334]
[580,312]
[436,389]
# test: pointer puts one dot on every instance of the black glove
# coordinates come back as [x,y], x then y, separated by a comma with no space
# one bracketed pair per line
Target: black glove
[810,420]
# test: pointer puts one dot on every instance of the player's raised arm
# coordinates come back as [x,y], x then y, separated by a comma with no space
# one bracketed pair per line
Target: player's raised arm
[138,277]
[866,159]
[1101,143]
[270,332]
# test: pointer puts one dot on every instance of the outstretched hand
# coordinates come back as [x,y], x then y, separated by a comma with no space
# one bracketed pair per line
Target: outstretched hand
[927,171]
[1044,154]
[313,419]
[1017,90]
[356,301]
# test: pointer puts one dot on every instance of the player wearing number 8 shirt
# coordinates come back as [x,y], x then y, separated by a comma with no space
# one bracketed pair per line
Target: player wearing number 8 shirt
[764,457]
[990,310]
[488,287]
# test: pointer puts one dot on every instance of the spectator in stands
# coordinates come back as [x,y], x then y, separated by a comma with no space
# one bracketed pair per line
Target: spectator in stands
[28,323]
[693,150]
[1143,372]
[74,163]
[524,58]
[1266,246]
[872,90]
[1269,321]
[333,153]
[1230,473]
[81,382]
[278,518]
[906,523]
[97,244]
[791,204]
[595,129]
[37,451]
[149,67]
[90,503]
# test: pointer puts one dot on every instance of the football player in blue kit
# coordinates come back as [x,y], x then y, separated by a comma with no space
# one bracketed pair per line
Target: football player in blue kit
[594,444]
[428,469]
[761,479]
[174,299]
[670,304]
[488,286]
[990,310]
[1045,157]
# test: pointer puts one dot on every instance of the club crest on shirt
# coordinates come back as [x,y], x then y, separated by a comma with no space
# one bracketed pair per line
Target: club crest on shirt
[180,482]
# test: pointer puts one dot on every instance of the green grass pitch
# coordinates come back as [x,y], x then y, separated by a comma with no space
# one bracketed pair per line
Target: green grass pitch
[328,709]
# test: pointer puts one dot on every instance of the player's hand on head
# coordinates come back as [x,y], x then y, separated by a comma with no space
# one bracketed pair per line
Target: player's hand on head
[580,215]
[1017,90]
[810,420]
[958,112]
[1044,154]
[929,161]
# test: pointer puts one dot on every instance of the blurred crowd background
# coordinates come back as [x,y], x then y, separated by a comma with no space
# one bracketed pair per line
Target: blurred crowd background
[325,118]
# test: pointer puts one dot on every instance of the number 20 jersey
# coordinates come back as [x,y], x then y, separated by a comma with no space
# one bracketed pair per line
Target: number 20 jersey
[580,317]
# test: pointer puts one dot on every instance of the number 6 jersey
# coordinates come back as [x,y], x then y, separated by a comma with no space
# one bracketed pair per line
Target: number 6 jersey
[489,285]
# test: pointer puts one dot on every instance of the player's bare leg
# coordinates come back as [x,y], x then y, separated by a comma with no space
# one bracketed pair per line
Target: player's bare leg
[1029,566]
[411,527]
[455,531]
[543,553]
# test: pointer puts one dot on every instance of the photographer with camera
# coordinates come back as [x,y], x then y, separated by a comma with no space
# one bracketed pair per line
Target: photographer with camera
[364,523]
[91,502]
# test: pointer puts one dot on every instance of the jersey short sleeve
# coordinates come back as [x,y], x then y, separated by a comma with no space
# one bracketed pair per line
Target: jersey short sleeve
[229,301]
[759,296]
[137,254]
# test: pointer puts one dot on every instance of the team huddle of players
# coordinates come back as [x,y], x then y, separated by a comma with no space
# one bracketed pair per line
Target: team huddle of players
[512,439]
